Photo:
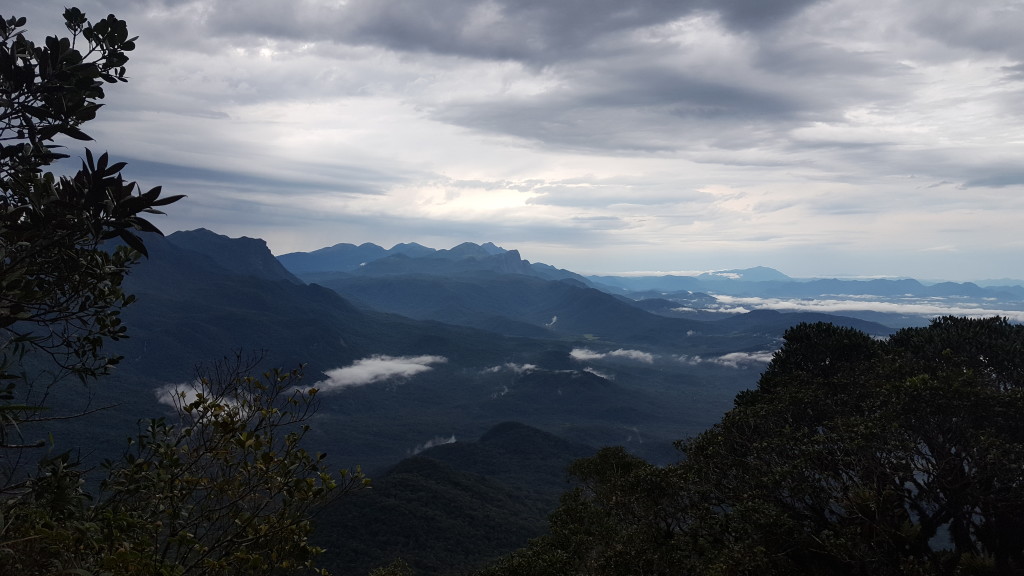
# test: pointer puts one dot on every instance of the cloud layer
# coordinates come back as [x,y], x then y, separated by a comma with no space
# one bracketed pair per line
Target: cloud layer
[924,307]
[820,137]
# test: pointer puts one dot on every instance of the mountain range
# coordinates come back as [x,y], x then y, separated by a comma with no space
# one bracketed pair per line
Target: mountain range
[894,303]
[443,372]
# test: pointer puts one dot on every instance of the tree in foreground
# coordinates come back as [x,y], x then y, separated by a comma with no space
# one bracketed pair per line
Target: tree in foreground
[852,456]
[225,486]
[60,276]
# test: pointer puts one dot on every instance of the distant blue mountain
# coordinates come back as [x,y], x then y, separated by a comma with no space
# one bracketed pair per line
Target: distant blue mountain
[770,283]
[675,296]
[246,256]
[755,274]
[340,257]
[372,260]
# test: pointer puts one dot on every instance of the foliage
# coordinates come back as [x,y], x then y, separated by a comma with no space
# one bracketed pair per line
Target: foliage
[225,486]
[397,568]
[60,286]
[620,519]
[226,489]
[453,507]
[852,456]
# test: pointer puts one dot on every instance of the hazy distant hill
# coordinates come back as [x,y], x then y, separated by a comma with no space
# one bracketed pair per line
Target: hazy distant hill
[344,257]
[554,308]
[503,293]
[755,274]
[775,322]
[372,260]
[767,282]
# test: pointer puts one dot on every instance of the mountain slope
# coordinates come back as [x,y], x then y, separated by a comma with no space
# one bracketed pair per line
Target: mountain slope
[453,506]
[562,308]
[247,256]
[404,259]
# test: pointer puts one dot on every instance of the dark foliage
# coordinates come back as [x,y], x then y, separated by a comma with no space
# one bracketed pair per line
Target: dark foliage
[852,456]
[454,506]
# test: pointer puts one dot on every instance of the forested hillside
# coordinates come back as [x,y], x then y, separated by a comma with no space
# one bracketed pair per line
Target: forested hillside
[852,456]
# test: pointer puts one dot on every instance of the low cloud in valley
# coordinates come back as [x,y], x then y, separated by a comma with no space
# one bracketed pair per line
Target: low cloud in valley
[732,359]
[583,354]
[924,307]
[375,369]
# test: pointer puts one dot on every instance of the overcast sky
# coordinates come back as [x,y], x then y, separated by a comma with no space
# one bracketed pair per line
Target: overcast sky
[833,137]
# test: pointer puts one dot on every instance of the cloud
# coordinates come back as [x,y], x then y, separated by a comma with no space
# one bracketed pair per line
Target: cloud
[435,441]
[538,33]
[599,374]
[182,394]
[925,307]
[511,367]
[611,123]
[744,359]
[377,369]
[583,354]
[634,435]
[175,395]
[732,359]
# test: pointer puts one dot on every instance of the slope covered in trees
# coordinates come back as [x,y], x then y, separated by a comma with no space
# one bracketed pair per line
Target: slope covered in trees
[452,507]
[852,456]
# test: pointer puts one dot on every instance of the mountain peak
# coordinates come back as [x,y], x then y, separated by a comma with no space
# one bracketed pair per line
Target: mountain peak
[248,256]
[755,274]
[333,258]
[492,249]
[471,250]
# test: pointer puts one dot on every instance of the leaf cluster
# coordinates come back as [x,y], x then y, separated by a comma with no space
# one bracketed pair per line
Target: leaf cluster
[61,270]
[52,89]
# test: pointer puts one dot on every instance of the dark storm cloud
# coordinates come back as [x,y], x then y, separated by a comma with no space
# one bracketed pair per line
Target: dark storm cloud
[343,179]
[537,31]
[756,14]
[685,94]
[997,178]
[804,58]
[650,110]
[987,25]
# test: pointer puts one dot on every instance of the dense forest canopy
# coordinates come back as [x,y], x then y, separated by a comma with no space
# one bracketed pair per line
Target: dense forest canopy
[852,456]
